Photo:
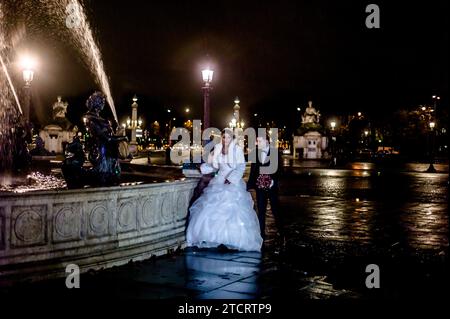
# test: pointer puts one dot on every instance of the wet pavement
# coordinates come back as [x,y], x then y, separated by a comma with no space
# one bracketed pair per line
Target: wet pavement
[338,222]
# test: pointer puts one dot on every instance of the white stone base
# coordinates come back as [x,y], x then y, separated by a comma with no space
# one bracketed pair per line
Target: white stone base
[42,232]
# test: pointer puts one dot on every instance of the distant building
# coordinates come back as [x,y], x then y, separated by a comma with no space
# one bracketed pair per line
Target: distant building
[309,140]
[58,132]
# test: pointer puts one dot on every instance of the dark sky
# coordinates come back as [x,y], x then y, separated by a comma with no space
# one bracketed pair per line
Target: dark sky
[275,55]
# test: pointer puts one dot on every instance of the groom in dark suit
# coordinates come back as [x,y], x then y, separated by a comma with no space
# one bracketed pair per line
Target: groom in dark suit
[266,184]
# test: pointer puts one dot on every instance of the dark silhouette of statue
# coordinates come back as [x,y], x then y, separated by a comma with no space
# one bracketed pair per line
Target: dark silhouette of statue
[39,150]
[102,147]
[74,172]
[21,154]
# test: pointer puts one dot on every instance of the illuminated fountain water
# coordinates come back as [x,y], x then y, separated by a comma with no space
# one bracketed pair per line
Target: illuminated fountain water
[70,14]
[8,111]
[11,86]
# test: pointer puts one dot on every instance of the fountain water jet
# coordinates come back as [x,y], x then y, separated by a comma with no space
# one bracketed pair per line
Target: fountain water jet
[72,13]
[5,70]
[8,113]
[66,19]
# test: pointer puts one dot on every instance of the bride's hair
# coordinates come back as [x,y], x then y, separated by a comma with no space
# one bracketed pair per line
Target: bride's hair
[227,131]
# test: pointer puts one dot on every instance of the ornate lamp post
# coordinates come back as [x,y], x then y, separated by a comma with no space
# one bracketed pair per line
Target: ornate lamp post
[134,124]
[332,146]
[435,99]
[207,75]
[433,125]
[236,109]
[431,168]
[236,121]
[28,65]
[366,137]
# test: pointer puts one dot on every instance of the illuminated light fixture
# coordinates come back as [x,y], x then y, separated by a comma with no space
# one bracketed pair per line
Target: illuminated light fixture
[28,65]
[333,125]
[207,75]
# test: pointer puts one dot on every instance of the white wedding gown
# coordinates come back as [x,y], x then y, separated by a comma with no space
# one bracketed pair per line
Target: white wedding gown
[224,213]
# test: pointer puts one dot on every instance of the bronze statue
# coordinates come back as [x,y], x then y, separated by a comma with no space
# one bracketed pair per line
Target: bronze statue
[102,147]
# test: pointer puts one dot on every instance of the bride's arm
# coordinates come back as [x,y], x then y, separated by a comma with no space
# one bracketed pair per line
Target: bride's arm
[208,167]
[236,174]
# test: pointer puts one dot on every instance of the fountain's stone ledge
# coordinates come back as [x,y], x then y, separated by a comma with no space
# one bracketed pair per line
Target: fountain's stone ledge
[43,232]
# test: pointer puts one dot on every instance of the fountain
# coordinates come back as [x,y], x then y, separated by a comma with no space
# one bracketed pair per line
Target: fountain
[94,220]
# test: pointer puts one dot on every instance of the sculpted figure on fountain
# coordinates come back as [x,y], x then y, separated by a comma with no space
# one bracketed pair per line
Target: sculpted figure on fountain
[102,148]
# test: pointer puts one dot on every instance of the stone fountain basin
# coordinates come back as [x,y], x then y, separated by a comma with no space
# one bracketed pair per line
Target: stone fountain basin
[42,232]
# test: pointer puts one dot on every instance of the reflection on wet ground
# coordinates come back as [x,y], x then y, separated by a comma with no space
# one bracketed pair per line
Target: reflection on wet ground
[338,222]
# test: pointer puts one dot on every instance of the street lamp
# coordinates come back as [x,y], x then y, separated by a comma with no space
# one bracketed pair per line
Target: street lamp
[435,99]
[366,139]
[431,168]
[432,125]
[333,125]
[332,142]
[28,75]
[207,75]
[28,65]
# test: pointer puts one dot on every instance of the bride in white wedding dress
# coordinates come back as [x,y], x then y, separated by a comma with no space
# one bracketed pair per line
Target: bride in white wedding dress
[224,214]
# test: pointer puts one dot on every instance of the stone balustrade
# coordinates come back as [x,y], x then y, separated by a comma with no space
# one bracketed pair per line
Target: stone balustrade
[42,232]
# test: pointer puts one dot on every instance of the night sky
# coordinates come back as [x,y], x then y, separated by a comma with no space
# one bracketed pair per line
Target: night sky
[274,55]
